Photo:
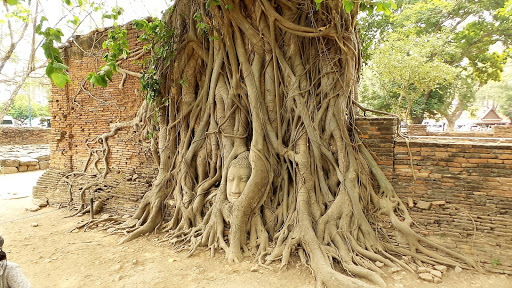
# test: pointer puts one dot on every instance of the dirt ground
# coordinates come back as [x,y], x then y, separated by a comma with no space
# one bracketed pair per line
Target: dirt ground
[50,256]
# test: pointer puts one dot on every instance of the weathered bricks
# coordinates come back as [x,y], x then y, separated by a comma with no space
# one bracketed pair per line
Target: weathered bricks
[24,136]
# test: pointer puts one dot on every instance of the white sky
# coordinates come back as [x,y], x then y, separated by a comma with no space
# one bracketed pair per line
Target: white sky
[54,10]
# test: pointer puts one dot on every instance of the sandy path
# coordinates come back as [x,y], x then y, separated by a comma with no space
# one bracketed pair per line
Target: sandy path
[52,257]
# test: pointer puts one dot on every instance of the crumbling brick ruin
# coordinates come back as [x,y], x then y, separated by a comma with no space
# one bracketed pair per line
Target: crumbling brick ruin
[460,193]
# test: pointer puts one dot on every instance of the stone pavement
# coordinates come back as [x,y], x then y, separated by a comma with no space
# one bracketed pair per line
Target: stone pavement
[21,158]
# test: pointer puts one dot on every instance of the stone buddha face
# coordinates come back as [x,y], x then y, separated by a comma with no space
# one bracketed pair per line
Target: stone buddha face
[238,174]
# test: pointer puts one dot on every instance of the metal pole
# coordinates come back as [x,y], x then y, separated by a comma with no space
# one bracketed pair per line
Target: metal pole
[29,112]
[92,208]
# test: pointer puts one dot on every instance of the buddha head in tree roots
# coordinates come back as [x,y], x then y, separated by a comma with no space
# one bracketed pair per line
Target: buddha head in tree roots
[238,174]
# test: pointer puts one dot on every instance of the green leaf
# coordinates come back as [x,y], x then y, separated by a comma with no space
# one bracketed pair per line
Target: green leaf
[60,79]
[318,2]
[348,5]
[49,69]
[60,66]
[12,2]
[101,80]
[140,24]
[75,20]
[68,2]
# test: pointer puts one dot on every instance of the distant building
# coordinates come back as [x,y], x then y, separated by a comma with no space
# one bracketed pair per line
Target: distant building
[491,118]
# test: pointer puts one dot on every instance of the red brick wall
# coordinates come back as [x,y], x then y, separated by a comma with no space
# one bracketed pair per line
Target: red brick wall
[462,195]
[80,113]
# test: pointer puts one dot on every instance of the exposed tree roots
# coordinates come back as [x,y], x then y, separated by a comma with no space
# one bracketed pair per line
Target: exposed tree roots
[277,79]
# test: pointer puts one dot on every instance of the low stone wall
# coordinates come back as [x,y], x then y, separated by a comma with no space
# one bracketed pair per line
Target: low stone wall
[24,136]
[417,129]
[497,131]
[21,158]
[502,131]
[460,195]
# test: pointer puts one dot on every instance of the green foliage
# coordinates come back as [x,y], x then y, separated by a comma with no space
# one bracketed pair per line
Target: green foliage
[318,3]
[158,37]
[19,108]
[56,70]
[75,21]
[160,41]
[117,46]
[114,15]
[496,261]
[497,94]
[386,7]
[468,30]
[150,84]
[407,66]
[201,26]
[21,13]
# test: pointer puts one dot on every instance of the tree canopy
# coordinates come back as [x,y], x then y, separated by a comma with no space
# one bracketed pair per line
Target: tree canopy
[476,41]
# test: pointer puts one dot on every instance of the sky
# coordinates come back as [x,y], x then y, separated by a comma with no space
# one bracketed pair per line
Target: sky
[55,11]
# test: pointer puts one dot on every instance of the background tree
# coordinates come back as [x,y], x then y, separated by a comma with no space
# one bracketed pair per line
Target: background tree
[19,109]
[451,100]
[21,36]
[408,67]
[497,94]
[472,29]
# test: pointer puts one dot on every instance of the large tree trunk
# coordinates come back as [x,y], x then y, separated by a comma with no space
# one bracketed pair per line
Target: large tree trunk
[277,80]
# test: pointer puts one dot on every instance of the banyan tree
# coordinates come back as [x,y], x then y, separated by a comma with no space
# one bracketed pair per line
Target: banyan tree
[250,110]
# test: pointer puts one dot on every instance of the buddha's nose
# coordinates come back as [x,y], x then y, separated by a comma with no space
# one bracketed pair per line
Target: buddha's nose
[236,183]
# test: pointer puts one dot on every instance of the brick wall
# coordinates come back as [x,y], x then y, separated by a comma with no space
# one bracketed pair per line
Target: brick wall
[24,136]
[80,113]
[462,194]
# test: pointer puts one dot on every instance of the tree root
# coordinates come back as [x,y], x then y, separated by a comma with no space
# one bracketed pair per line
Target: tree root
[264,78]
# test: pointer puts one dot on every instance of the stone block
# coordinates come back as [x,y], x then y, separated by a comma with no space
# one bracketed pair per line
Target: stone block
[33,168]
[27,161]
[6,162]
[423,205]
[40,203]
[8,170]
[44,165]
[22,168]
[45,157]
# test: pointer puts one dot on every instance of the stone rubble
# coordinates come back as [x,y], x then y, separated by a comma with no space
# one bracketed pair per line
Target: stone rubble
[21,158]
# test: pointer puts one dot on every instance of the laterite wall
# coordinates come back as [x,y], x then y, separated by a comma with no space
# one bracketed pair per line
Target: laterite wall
[461,192]
[24,136]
